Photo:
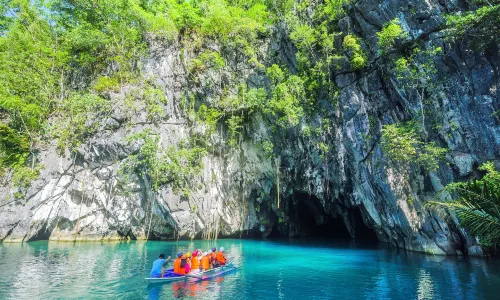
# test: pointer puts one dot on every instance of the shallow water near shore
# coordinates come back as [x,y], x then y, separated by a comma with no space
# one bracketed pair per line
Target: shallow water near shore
[269,269]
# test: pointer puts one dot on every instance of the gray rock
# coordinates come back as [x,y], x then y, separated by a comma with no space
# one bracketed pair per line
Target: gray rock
[88,195]
[463,163]
[475,251]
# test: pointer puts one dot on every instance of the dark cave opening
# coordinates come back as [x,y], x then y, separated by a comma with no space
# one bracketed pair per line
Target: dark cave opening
[311,221]
[362,231]
[308,219]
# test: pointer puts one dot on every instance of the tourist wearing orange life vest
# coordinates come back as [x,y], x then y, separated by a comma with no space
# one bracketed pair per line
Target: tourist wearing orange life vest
[214,257]
[188,263]
[180,264]
[195,260]
[206,260]
[220,257]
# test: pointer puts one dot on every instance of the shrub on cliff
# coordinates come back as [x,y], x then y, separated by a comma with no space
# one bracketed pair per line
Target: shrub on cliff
[403,146]
[479,27]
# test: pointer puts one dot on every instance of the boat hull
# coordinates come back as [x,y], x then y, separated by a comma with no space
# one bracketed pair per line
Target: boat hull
[205,275]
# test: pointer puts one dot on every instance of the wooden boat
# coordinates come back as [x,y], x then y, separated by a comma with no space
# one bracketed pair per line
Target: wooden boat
[205,275]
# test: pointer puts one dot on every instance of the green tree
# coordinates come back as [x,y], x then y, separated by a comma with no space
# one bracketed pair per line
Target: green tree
[388,36]
[358,57]
[80,114]
[477,204]
[32,67]
[417,75]
[479,27]
[403,146]
[173,166]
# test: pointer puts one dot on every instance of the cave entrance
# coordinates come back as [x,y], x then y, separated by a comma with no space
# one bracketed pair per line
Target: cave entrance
[308,219]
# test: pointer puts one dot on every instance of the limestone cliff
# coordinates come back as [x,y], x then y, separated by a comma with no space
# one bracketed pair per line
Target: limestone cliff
[82,195]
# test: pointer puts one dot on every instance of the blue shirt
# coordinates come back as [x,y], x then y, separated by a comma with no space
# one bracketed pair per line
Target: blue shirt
[157,265]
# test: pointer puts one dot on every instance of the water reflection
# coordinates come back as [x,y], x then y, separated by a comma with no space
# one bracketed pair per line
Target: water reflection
[425,287]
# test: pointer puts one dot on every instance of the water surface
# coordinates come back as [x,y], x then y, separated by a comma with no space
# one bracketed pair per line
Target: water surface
[282,269]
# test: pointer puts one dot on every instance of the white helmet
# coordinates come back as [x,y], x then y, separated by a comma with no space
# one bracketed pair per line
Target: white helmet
[205,253]
[221,249]
[209,252]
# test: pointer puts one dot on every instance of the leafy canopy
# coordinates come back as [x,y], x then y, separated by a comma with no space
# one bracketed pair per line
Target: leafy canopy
[174,165]
[388,36]
[403,147]
[480,27]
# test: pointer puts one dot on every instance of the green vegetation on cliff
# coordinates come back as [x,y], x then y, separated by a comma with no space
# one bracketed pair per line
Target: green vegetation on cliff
[479,27]
[175,165]
[477,204]
[62,63]
[403,146]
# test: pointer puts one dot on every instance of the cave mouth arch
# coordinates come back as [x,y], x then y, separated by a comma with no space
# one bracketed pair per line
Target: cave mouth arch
[307,218]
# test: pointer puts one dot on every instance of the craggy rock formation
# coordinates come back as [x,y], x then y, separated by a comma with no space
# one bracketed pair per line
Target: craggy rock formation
[82,195]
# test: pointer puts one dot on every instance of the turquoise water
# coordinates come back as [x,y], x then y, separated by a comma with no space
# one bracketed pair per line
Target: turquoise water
[284,269]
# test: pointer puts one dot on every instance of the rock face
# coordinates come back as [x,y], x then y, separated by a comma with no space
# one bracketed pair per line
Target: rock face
[82,195]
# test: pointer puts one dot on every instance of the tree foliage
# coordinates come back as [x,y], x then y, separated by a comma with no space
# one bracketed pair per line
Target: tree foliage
[417,75]
[403,146]
[388,36]
[60,61]
[80,116]
[44,45]
[477,204]
[358,57]
[480,26]
[314,36]
[175,166]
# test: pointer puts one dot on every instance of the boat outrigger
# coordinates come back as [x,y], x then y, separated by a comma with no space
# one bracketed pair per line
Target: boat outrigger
[204,275]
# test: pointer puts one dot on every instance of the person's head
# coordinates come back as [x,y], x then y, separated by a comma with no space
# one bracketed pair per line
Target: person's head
[195,253]
[221,249]
[188,254]
[205,253]
[162,255]
[209,252]
[214,249]
[179,254]
[183,256]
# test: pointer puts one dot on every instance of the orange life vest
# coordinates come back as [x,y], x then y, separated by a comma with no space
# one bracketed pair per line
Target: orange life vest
[213,256]
[195,263]
[221,258]
[177,267]
[205,262]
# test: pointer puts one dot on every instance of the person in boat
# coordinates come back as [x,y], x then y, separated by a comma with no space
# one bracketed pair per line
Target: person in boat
[220,257]
[184,264]
[179,267]
[215,263]
[188,262]
[206,264]
[159,266]
[214,256]
[195,261]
